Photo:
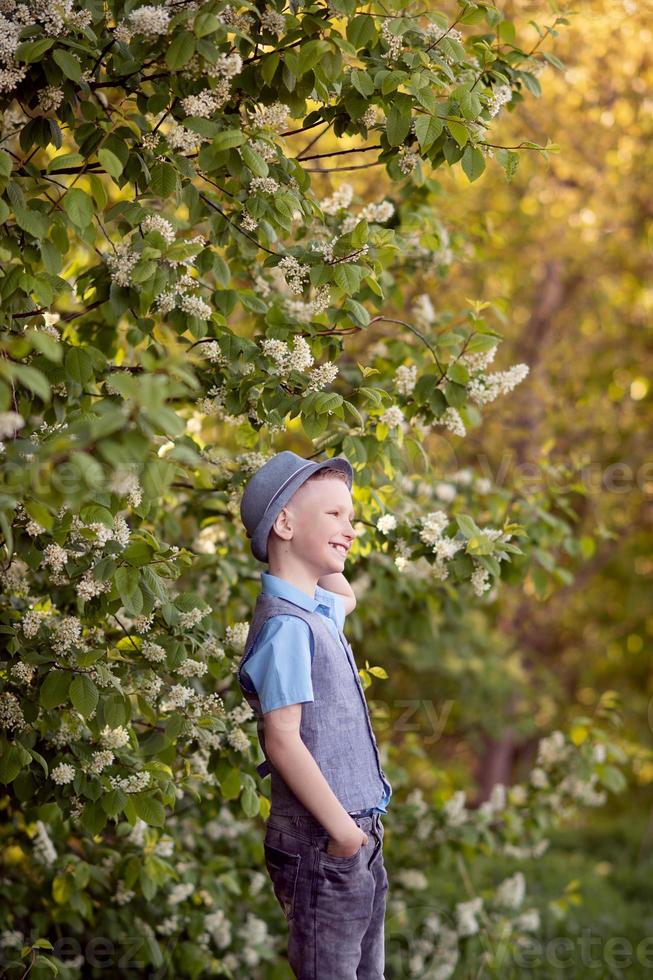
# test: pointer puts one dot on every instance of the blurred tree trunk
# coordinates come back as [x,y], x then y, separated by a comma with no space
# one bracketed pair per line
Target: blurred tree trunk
[496,760]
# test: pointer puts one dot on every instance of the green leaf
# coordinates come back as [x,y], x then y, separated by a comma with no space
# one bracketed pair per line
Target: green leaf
[398,123]
[62,887]
[93,817]
[254,161]
[84,695]
[473,162]
[126,579]
[228,139]
[32,379]
[459,132]
[65,160]
[181,50]
[12,760]
[357,312]
[392,80]
[78,365]
[362,82]
[5,164]
[32,221]
[427,130]
[361,30]
[33,50]
[348,276]
[250,802]
[467,525]
[163,181]
[78,205]
[613,778]
[205,24]
[509,160]
[230,784]
[113,802]
[110,162]
[469,102]
[54,689]
[269,65]
[148,809]
[68,63]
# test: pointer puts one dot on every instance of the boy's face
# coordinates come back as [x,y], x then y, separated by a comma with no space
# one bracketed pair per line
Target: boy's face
[316,518]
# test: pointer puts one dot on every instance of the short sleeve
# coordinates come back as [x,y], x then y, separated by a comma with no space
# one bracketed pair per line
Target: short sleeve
[280,665]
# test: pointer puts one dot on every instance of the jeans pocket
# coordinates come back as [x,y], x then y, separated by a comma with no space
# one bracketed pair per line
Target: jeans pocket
[283,868]
[339,861]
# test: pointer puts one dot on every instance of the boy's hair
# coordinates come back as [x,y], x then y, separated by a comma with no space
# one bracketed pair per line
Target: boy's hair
[328,472]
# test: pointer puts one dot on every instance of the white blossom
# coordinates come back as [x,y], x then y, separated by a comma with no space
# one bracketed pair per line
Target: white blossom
[227,66]
[466,913]
[10,424]
[412,878]
[273,22]
[500,96]
[195,306]
[99,761]
[433,524]
[552,749]
[392,416]
[385,523]
[294,272]
[149,20]
[273,116]
[11,715]
[44,850]
[480,579]
[322,376]
[114,738]
[236,635]
[341,198]
[156,222]
[63,773]
[452,420]
[423,310]
[50,98]
[66,633]
[539,778]
[454,809]
[121,263]
[21,673]
[486,388]
[407,160]
[511,891]
[405,378]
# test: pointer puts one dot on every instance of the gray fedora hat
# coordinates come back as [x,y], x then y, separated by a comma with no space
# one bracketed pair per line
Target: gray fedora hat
[270,489]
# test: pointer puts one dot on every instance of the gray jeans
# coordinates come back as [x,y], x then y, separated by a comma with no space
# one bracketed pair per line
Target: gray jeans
[334,906]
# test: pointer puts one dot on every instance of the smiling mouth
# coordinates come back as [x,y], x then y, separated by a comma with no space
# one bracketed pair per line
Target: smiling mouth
[340,549]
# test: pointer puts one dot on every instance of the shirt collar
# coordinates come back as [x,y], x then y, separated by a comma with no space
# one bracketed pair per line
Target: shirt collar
[275,585]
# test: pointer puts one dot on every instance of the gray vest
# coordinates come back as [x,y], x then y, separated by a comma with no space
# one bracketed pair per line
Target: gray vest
[335,726]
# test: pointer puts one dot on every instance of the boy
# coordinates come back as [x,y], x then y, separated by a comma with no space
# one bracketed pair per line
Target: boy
[324,837]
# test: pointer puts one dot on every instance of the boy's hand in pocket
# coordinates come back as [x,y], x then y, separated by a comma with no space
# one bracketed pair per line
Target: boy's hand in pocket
[347,848]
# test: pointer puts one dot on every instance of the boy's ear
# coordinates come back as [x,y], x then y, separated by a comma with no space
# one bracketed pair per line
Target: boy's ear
[280,524]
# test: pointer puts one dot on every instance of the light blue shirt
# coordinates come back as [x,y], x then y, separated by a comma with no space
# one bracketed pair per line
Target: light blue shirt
[279,667]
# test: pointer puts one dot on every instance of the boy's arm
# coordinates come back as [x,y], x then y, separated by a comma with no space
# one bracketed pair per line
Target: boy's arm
[337,583]
[298,768]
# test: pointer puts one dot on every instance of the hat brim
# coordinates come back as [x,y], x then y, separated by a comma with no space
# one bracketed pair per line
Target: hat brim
[259,542]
